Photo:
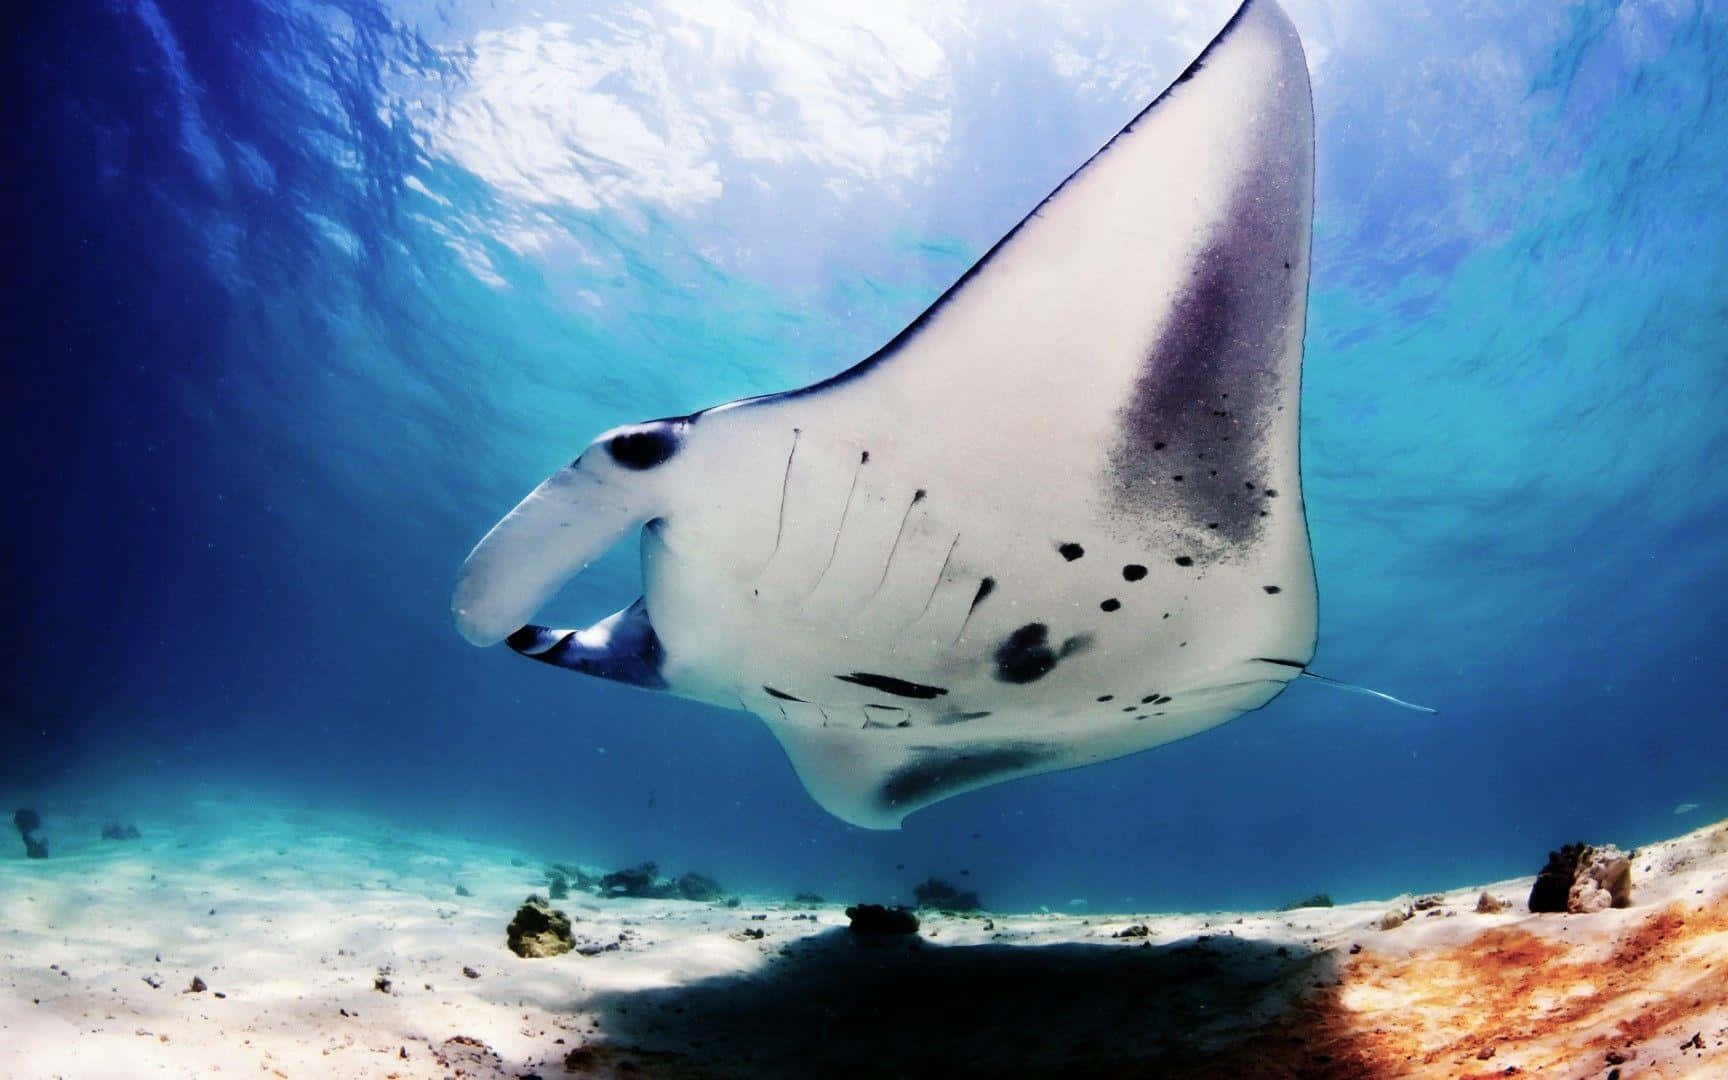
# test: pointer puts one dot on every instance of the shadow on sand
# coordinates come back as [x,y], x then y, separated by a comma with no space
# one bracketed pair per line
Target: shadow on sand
[832,1005]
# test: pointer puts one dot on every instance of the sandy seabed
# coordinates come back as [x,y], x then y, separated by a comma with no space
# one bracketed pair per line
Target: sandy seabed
[335,947]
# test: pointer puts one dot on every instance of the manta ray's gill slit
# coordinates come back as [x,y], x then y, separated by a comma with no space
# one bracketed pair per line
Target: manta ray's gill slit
[985,588]
[940,574]
[785,486]
[1297,664]
[888,563]
[840,529]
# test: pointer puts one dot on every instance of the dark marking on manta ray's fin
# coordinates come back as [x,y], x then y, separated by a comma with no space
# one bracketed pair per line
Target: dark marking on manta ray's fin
[781,694]
[888,684]
[1354,689]
[935,771]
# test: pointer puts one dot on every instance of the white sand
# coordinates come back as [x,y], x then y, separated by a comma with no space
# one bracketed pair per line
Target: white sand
[291,918]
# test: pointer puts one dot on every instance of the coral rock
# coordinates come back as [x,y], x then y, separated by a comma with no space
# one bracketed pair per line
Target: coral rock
[539,929]
[876,919]
[1489,904]
[1581,879]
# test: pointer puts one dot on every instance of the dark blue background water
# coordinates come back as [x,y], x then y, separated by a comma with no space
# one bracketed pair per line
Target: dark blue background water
[277,353]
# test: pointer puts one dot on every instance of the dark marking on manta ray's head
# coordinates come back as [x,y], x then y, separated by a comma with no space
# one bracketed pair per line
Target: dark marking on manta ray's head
[646,445]
[888,684]
[935,771]
[1211,382]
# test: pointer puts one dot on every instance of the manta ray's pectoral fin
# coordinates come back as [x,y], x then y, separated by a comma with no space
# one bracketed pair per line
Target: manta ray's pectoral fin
[622,647]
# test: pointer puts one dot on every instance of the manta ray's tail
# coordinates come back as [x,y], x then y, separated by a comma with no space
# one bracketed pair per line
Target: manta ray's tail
[1353,688]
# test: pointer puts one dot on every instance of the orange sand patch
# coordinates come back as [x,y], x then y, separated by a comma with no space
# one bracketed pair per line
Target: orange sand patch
[1512,1002]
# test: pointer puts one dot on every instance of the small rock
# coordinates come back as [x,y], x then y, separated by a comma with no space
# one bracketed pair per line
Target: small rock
[1485,1053]
[1424,903]
[1395,918]
[153,982]
[462,890]
[1138,930]
[470,972]
[1489,904]
[198,986]
[381,984]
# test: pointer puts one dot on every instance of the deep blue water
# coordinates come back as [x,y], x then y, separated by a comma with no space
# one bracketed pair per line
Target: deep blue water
[299,299]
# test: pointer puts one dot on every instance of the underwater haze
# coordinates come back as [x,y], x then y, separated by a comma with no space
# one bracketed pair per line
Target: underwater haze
[301,297]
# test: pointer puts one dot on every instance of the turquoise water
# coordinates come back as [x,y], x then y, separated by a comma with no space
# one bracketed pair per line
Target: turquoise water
[303,297]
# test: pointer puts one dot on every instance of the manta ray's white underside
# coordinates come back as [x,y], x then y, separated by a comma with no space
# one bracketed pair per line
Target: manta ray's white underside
[1056,520]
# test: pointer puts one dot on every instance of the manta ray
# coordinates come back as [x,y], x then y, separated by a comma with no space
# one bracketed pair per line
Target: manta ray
[1056,520]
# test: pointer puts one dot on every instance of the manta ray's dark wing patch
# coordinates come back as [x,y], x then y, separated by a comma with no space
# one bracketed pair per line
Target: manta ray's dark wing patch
[935,771]
[1214,377]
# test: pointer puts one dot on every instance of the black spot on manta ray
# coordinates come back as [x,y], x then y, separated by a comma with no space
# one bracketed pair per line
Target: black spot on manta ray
[1071,551]
[888,684]
[1133,572]
[1184,560]
[1106,697]
[934,771]
[1111,604]
[1025,656]
[1272,590]
[781,694]
[644,446]
[985,588]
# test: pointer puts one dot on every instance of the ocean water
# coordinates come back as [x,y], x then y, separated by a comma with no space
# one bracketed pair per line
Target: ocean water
[300,297]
